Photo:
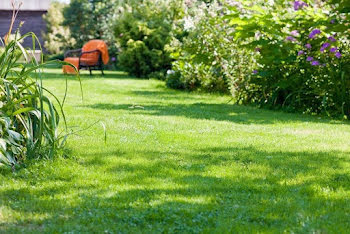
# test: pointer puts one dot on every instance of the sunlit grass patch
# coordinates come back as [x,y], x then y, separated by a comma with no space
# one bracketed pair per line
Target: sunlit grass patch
[181,162]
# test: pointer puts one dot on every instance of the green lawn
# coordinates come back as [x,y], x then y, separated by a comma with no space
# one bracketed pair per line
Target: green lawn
[181,162]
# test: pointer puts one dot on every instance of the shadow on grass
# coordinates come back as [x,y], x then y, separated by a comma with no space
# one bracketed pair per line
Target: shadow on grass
[209,111]
[198,110]
[223,189]
[56,73]
[226,189]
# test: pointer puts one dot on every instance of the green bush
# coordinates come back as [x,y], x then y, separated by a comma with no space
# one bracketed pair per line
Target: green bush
[136,58]
[173,80]
[301,63]
[258,53]
[142,31]
[206,57]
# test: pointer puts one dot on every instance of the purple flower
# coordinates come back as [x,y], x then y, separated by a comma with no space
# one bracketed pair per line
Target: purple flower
[113,59]
[324,46]
[290,38]
[294,33]
[299,5]
[309,59]
[255,72]
[301,52]
[315,63]
[332,39]
[333,49]
[338,55]
[332,21]
[314,33]
[308,46]
[296,5]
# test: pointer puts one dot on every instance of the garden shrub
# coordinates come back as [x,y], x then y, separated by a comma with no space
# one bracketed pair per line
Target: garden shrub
[142,31]
[206,57]
[301,62]
[289,54]
[173,80]
[341,6]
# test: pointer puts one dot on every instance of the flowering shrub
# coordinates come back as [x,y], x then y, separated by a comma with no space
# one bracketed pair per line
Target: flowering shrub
[291,54]
[302,56]
[205,58]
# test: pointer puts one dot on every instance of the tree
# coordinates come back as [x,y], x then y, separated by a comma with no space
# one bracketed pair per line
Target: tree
[58,37]
[91,19]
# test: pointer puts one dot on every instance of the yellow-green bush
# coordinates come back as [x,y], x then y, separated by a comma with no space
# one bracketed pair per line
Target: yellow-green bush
[142,31]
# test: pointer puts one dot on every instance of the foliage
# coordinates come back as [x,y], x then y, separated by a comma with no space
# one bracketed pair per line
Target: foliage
[341,6]
[257,51]
[57,37]
[173,80]
[300,62]
[142,30]
[28,118]
[206,58]
[91,19]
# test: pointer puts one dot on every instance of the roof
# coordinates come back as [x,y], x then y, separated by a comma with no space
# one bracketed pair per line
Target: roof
[28,5]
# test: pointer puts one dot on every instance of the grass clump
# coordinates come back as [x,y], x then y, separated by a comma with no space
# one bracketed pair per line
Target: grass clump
[29,119]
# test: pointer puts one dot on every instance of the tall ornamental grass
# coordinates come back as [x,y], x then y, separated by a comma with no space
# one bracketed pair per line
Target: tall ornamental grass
[29,113]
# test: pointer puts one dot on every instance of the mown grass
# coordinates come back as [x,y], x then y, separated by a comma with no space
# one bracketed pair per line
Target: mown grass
[181,162]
